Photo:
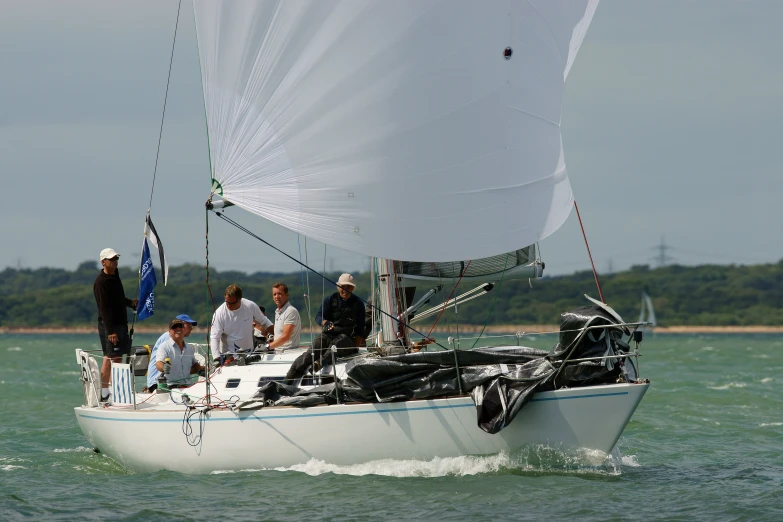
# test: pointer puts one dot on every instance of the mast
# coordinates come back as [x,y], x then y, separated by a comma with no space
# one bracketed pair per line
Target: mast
[390,297]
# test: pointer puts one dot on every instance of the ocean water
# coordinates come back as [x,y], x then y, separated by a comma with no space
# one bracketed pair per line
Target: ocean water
[705,444]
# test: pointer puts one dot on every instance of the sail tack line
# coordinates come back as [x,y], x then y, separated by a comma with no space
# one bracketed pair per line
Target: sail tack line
[595,274]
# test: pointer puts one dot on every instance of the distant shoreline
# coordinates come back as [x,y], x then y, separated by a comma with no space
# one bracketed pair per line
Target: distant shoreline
[463,329]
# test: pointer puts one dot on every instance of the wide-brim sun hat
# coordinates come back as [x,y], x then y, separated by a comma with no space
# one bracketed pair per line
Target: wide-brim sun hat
[346,280]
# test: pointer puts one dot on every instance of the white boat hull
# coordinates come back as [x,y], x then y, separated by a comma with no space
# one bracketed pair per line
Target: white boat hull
[151,438]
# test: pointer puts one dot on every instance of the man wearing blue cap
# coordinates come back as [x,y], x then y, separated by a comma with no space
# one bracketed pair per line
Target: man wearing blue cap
[152,370]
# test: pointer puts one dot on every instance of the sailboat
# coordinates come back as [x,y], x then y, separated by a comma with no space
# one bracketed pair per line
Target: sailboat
[422,133]
[647,312]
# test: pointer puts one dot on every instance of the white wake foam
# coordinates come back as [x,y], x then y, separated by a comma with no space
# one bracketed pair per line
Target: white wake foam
[534,459]
[437,467]
[729,386]
[80,449]
[6,466]
[629,461]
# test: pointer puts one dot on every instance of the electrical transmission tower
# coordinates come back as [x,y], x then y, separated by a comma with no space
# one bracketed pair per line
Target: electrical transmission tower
[662,258]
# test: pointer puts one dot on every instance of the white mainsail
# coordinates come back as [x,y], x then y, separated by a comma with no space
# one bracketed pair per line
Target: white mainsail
[396,129]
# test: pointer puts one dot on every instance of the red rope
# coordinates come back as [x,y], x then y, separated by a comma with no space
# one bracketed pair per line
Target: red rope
[595,274]
[449,299]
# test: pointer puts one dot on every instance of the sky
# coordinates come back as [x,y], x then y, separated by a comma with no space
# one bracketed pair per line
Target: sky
[671,129]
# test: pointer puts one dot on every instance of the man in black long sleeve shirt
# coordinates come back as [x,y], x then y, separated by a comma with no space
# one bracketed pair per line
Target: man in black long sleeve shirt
[342,317]
[112,318]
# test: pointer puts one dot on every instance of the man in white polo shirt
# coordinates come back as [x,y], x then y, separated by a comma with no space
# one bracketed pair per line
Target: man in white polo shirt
[232,324]
[288,325]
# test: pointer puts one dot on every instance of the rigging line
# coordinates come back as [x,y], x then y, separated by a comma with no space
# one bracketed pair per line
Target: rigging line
[492,306]
[400,298]
[301,270]
[307,289]
[208,365]
[209,287]
[323,290]
[373,299]
[456,320]
[456,313]
[595,274]
[322,276]
[165,99]
[464,270]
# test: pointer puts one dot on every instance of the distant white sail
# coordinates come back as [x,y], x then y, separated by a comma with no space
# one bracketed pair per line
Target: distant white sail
[424,130]
[647,313]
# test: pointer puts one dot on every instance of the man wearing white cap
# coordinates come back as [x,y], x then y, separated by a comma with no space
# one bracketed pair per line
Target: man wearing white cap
[342,317]
[112,317]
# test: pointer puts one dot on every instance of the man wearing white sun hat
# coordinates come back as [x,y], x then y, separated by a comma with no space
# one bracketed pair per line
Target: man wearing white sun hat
[341,316]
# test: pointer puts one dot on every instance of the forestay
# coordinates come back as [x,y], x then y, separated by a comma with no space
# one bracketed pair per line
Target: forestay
[424,130]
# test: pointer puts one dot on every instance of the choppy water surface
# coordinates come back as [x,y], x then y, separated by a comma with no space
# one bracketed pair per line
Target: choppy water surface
[704,444]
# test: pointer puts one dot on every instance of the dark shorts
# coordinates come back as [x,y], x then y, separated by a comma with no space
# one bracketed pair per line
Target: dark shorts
[114,350]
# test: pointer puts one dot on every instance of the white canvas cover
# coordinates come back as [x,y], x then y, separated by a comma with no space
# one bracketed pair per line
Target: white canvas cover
[394,129]
[121,384]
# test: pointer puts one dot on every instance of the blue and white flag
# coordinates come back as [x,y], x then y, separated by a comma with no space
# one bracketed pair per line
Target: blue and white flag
[146,306]
[164,266]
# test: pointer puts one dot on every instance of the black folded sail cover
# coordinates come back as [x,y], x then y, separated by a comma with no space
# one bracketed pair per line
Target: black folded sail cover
[500,380]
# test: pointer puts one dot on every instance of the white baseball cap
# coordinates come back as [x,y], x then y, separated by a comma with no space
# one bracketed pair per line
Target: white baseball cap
[108,253]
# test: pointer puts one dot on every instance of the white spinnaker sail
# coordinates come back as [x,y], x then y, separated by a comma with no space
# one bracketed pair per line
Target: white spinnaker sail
[394,129]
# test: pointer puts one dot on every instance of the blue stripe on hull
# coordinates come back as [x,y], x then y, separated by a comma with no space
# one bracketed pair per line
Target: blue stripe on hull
[578,396]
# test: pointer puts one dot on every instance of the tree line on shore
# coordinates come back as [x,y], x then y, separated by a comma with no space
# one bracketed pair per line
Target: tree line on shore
[709,295]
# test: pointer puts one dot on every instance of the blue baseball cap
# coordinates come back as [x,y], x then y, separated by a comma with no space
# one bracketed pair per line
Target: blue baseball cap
[185,318]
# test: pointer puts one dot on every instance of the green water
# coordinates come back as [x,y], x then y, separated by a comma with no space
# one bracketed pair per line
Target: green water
[705,444]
